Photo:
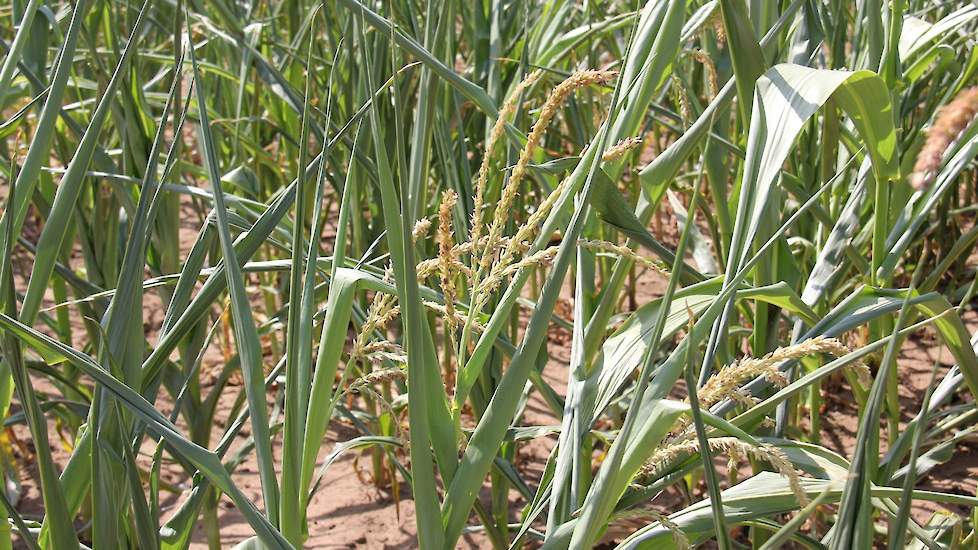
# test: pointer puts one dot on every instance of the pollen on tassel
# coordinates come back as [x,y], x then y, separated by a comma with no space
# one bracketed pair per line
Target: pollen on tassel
[952,120]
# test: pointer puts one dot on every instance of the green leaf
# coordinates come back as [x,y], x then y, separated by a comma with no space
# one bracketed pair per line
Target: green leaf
[245,334]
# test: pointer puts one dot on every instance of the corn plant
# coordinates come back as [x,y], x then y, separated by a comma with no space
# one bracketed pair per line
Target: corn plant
[229,226]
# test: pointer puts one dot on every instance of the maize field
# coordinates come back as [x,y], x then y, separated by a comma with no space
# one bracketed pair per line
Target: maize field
[556,274]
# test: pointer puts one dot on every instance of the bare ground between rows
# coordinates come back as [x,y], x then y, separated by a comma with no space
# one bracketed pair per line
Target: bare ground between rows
[351,512]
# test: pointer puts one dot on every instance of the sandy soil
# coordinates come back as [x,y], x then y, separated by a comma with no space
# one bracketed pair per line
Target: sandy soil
[350,512]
